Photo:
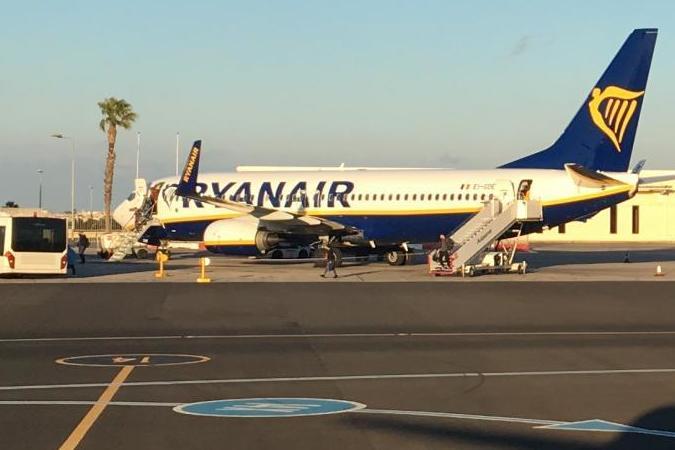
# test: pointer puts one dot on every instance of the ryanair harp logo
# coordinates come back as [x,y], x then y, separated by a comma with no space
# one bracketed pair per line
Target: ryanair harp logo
[612,109]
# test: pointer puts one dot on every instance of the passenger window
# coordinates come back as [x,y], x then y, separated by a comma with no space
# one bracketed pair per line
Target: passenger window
[398,197]
[414,197]
[445,197]
[2,240]
[405,197]
[475,196]
[381,197]
[459,196]
[437,197]
[452,197]
[421,196]
[366,197]
[360,197]
[390,197]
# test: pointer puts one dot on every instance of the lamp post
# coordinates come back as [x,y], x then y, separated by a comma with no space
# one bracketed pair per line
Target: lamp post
[72,179]
[138,152]
[40,172]
[91,201]
[177,151]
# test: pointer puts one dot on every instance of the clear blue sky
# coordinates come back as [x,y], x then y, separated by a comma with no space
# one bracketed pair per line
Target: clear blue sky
[389,83]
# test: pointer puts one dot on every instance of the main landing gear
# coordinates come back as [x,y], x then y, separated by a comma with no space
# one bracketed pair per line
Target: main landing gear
[396,257]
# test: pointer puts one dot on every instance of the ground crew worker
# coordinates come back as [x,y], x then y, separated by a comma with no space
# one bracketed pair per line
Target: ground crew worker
[82,245]
[444,251]
[331,260]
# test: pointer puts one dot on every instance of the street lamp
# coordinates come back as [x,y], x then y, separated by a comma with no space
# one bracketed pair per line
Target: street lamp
[91,201]
[138,152]
[40,172]
[177,151]
[72,179]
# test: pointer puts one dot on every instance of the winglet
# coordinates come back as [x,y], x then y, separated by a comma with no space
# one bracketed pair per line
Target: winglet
[188,180]
[639,166]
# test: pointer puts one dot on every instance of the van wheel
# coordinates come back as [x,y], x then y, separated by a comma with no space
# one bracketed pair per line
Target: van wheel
[471,272]
[303,254]
[396,258]
[277,254]
[141,253]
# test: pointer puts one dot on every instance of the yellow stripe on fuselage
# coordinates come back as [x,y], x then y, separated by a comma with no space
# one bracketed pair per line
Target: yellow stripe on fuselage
[412,212]
[580,198]
[228,243]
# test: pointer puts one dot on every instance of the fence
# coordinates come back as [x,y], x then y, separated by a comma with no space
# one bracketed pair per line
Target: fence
[93,227]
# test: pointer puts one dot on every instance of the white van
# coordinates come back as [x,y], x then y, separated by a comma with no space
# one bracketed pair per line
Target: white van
[33,245]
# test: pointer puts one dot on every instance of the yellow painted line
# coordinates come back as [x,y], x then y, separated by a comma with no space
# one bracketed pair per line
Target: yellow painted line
[145,360]
[88,420]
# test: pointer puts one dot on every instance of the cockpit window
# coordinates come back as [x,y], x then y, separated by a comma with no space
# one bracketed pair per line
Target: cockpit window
[131,196]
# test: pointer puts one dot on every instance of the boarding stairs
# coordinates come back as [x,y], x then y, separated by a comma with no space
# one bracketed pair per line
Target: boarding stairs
[124,246]
[124,242]
[482,230]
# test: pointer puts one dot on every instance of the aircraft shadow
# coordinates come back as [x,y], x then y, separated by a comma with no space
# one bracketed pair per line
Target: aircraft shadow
[549,258]
[494,436]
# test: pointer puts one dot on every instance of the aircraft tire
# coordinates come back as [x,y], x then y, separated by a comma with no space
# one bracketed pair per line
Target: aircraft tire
[396,258]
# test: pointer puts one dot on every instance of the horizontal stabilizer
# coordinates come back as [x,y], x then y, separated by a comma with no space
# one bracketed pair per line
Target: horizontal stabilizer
[588,178]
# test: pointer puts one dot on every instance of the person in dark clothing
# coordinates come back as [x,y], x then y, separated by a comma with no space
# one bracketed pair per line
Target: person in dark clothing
[446,245]
[71,259]
[82,245]
[331,260]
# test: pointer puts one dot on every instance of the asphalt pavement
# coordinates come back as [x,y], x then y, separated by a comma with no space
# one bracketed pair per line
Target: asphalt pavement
[420,365]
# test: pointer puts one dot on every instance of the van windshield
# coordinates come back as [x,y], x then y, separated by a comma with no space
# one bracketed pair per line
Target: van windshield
[36,234]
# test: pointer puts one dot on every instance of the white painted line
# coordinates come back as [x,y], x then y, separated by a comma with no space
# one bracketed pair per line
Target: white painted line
[460,416]
[81,402]
[92,338]
[349,378]
[348,335]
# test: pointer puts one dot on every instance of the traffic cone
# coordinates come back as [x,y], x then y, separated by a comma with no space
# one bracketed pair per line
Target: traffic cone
[659,272]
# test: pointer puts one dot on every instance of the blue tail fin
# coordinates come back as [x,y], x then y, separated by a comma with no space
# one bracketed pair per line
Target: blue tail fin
[601,134]
[188,179]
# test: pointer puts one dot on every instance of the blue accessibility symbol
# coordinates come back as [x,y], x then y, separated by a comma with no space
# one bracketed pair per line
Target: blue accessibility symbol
[269,407]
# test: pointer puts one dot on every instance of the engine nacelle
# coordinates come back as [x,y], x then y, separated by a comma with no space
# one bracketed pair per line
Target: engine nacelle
[239,231]
[244,231]
[266,240]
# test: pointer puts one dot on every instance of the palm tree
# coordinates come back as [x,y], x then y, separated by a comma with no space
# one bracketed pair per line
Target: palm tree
[116,113]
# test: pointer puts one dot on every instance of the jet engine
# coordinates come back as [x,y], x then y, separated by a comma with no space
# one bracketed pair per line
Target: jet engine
[239,231]
[245,231]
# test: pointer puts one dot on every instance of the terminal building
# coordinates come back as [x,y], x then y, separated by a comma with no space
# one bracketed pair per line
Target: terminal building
[649,217]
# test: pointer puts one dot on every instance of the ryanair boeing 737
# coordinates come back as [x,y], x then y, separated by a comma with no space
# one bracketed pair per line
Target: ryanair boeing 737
[256,210]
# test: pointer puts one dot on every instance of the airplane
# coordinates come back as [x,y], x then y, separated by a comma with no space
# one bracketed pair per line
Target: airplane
[257,210]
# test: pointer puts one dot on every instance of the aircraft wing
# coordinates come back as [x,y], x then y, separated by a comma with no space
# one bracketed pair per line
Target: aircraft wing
[289,221]
[588,178]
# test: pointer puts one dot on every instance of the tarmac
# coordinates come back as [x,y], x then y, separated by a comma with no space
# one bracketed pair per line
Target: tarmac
[560,262]
[448,364]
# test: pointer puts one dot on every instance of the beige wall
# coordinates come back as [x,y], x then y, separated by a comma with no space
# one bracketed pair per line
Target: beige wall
[656,202]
